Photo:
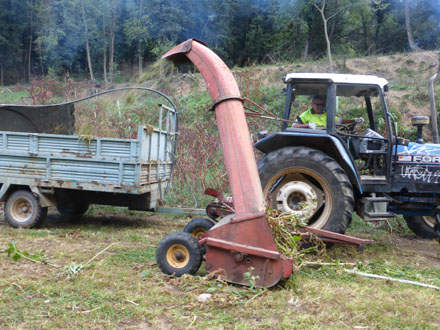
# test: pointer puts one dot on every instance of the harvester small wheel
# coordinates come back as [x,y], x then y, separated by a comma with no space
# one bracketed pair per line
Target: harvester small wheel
[72,208]
[178,254]
[198,226]
[23,210]
[422,226]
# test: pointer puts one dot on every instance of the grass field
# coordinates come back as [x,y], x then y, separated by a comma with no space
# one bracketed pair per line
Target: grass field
[70,284]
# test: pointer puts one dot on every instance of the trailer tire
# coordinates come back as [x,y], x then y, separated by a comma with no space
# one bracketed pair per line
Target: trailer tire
[178,254]
[309,183]
[72,208]
[23,210]
[422,226]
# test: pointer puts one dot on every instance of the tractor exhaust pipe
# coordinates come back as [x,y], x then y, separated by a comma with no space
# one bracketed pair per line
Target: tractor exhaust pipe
[242,241]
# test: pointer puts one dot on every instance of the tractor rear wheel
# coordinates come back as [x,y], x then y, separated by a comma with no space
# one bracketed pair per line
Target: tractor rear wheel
[178,254]
[310,184]
[422,226]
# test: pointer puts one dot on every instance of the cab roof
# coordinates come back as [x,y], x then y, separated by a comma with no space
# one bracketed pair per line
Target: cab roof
[350,84]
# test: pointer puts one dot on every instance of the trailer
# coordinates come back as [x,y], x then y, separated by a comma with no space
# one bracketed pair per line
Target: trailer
[40,167]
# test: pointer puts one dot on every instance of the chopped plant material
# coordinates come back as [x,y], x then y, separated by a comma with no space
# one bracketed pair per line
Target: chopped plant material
[287,235]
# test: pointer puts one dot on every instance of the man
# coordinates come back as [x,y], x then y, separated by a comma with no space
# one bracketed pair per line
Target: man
[316,116]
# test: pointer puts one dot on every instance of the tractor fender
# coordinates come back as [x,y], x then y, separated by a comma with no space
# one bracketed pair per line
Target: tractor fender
[326,143]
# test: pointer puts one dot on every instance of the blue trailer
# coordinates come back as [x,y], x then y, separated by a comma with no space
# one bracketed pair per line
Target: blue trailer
[71,172]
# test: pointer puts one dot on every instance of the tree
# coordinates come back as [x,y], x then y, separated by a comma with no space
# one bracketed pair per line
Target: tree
[412,44]
[325,20]
[136,30]
[86,38]
[112,41]
[13,26]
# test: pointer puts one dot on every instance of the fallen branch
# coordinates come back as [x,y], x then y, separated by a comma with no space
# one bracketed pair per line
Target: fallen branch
[74,269]
[352,271]
[96,255]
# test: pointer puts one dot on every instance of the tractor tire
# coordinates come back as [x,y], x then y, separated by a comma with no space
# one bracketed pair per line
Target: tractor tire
[178,254]
[198,226]
[23,210]
[72,209]
[310,184]
[422,226]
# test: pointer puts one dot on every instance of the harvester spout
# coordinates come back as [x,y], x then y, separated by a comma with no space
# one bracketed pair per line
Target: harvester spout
[243,241]
[234,132]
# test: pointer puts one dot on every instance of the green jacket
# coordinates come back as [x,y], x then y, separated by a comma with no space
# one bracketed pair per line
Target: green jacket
[310,116]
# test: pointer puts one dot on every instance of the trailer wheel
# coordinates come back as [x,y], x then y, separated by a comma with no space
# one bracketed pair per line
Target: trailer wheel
[422,226]
[72,208]
[310,184]
[198,226]
[178,254]
[23,209]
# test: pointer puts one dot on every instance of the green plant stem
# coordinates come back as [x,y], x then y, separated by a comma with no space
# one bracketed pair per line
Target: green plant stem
[36,261]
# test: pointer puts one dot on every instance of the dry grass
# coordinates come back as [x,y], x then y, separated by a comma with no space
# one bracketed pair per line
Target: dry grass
[123,288]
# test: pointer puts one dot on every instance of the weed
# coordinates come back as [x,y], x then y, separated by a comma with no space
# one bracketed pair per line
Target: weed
[16,254]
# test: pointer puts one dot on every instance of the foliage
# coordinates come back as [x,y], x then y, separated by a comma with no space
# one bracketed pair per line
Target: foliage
[15,253]
[48,37]
[51,90]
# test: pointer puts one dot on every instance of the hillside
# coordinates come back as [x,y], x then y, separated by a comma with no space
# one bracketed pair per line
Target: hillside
[408,74]
[200,165]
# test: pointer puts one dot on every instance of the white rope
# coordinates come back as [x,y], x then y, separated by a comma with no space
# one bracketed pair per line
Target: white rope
[352,271]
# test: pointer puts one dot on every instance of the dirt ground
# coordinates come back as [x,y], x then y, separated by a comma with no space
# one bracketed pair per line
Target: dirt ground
[123,288]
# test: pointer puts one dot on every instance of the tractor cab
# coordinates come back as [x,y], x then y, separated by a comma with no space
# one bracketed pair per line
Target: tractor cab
[357,119]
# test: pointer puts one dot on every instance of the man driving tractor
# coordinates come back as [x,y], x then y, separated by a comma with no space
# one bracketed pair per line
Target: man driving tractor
[317,115]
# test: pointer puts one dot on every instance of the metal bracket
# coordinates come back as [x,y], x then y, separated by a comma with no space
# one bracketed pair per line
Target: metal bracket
[225,98]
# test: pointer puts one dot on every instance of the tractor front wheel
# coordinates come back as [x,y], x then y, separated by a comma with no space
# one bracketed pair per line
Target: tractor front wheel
[422,226]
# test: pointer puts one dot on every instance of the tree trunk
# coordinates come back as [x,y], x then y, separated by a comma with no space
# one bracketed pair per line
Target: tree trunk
[86,36]
[104,50]
[306,49]
[327,40]
[1,75]
[112,42]
[140,40]
[29,60]
[366,33]
[105,67]
[412,44]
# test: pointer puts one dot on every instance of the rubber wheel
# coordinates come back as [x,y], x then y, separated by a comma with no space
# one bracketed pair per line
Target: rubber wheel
[422,226]
[178,254]
[23,210]
[198,226]
[72,208]
[310,184]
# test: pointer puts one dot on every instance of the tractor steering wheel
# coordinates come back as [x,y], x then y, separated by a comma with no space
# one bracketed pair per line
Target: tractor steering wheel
[350,128]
